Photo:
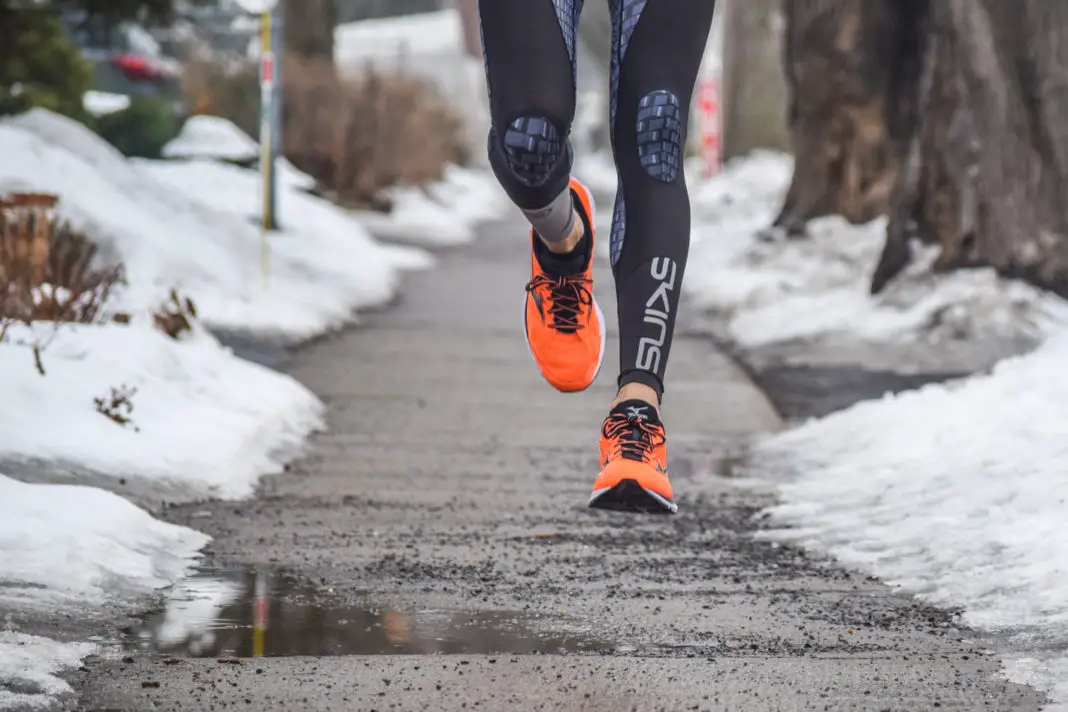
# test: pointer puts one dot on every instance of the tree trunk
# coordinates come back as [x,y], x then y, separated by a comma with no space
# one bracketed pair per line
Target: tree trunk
[754,89]
[310,27]
[468,10]
[845,114]
[949,116]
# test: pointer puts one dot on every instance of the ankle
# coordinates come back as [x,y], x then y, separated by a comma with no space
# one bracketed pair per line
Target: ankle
[571,240]
[637,391]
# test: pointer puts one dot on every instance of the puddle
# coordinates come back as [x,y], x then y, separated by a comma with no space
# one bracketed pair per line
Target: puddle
[265,613]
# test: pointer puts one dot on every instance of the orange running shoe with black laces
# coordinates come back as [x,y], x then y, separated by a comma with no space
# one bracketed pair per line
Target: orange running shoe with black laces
[633,462]
[564,327]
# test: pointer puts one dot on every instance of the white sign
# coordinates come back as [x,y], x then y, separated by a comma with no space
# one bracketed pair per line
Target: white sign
[257,7]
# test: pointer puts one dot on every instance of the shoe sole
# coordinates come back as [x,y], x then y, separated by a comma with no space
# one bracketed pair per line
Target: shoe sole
[597,310]
[629,496]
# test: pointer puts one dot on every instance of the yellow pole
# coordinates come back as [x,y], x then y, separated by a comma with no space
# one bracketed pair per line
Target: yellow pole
[259,614]
[265,147]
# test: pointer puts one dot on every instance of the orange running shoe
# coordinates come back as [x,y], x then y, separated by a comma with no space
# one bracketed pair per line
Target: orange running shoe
[633,462]
[564,327]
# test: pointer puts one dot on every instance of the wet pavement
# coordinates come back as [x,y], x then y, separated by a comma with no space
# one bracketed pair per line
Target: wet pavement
[263,613]
[433,551]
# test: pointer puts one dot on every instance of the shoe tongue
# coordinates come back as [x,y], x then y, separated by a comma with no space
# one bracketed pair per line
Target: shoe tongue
[555,265]
[637,409]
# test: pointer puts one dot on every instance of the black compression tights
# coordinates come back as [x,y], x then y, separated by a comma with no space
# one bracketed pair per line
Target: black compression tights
[530,63]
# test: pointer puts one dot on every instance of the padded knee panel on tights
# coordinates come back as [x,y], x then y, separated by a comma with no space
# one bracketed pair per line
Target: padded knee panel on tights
[533,147]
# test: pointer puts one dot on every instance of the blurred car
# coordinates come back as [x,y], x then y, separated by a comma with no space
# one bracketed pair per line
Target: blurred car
[125,58]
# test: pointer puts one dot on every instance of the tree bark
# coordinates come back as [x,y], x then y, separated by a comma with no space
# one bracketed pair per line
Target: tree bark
[844,110]
[309,29]
[754,88]
[948,116]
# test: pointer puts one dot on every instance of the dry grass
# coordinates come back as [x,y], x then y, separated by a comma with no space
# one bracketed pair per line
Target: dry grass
[354,136]
[175,316]
[117,406]
[47,270]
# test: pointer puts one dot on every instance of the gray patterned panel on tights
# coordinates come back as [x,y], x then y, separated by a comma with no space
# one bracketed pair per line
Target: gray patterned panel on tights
[485,63]
[567,12]
[533,147]
[625,17]
[619,225]
[660,135]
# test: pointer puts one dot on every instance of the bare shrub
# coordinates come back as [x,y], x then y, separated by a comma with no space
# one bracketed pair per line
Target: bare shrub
[117,406]
[175,316]
[47,269]
[354,136]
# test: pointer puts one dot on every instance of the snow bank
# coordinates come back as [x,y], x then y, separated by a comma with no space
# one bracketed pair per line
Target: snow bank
[202,238]
[99,103]
[29,666]
[775,291]
[205,419]
[440,214]
[70,547]
[215,138]
[954,493]
[212,137]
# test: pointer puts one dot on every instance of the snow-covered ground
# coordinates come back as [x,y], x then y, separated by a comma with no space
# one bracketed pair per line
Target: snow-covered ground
[956,493]
[70,546]
[29,669]
[440,214]
[171,238]
[200,420]
[775,291]
[73,549]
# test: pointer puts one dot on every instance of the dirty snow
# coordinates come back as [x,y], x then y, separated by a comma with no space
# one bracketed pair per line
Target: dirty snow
[770,291]
[954,492]
[205,420]
[29,668]
[73,548]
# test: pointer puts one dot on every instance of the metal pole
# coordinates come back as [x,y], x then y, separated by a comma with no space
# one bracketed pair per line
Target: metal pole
[267,94]
[278,53]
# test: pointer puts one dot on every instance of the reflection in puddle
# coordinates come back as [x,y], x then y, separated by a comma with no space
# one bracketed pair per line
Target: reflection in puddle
[264,613]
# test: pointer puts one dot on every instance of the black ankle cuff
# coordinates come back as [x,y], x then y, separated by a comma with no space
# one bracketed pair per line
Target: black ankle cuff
[646,378]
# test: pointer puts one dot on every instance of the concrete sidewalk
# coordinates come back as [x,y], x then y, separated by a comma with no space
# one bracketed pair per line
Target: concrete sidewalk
[454,479]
